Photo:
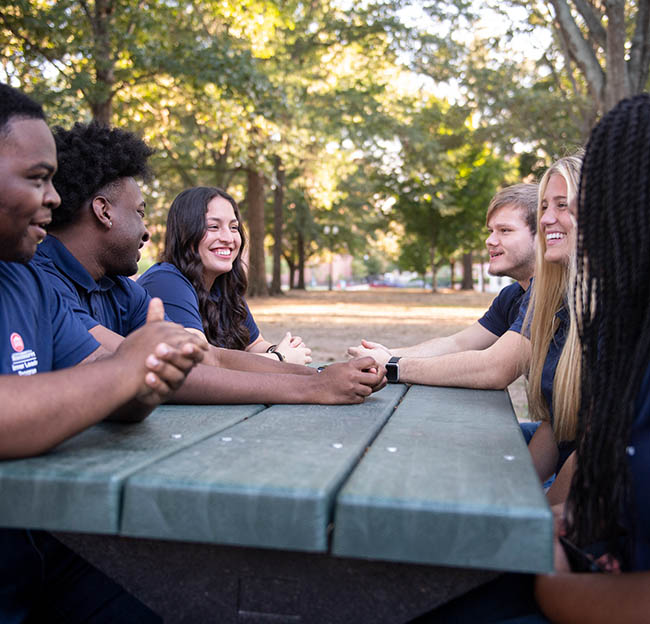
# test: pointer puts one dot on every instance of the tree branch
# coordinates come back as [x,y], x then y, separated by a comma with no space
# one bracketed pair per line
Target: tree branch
[580,50]
[593,22]
[86,9]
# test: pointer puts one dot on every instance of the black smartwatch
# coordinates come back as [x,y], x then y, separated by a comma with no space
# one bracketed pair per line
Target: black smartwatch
[392,370]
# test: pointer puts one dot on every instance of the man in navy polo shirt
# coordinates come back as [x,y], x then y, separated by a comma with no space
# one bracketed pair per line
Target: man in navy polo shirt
[39,577]
[93,244]
[512,224]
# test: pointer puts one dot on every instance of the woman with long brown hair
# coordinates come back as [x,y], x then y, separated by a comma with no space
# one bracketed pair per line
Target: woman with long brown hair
[202,280]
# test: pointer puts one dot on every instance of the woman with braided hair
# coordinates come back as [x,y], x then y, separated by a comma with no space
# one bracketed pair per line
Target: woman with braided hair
[602,558]
[609,500]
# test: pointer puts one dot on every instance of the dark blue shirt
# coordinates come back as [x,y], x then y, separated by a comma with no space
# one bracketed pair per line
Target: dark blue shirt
[504,310]
[117,303]
[566,447]
[554,349]
[39,333]
[639,462]
[166,281]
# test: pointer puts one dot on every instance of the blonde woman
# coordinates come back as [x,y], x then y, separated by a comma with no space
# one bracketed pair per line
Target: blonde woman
[554,352]
[535,350]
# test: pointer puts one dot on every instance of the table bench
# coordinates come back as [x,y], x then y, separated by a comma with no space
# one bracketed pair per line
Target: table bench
[296,513]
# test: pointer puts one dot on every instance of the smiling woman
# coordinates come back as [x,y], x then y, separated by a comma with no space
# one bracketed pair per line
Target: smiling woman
[201,278]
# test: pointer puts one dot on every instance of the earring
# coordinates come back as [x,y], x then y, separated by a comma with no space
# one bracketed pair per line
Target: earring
[110,224]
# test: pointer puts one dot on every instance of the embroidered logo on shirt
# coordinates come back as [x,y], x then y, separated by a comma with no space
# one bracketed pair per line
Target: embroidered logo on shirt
[22,362]
[17,342]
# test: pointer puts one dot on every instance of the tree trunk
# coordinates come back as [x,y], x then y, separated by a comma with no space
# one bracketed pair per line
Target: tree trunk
[278,200]
[301,261]
[101,101]
[617,81]
[468,281]
[452,268]
[434,279]
[292,269]
[255,199]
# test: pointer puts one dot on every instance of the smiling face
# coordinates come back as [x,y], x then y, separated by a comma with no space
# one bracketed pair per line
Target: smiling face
[27,196]
[221,242]
[557,221]
[511,244]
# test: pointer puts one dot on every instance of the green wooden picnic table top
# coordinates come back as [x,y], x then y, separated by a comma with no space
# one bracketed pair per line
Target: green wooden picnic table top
[415,474]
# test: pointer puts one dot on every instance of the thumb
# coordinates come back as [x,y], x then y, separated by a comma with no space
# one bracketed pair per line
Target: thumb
[156,311]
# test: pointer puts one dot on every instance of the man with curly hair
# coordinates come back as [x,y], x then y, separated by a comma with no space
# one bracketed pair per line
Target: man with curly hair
[93,245]
[39,577]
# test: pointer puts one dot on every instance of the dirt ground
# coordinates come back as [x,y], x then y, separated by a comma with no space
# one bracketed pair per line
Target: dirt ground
[329,322]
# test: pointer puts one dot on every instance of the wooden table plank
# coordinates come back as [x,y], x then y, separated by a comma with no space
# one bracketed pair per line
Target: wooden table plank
[78,485]
[268,482]
[449,481]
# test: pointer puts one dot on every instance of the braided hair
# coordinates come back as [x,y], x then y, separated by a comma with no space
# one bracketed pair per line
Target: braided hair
[222,308]
[612,300]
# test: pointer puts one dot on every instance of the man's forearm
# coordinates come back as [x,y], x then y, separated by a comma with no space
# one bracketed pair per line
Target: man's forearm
[76,398]
[214,385]
[469,369]
[493,368]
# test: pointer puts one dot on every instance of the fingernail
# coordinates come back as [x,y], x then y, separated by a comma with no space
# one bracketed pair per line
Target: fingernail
[152,360]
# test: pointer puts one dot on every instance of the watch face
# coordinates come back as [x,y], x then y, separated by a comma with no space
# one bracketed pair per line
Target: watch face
[392,370]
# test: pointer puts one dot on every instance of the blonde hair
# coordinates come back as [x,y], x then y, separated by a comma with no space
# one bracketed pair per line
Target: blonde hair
[552,288]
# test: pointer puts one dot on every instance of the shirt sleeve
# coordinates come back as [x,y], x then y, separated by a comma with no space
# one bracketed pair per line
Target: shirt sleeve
[72,342]
[177,294]
[519,322]
[495,320]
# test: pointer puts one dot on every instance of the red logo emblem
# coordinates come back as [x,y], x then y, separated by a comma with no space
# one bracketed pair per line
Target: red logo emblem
[17,342]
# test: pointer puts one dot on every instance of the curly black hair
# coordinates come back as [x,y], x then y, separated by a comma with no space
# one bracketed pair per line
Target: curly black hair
[14,103]
[222,308]
[613,309]
[91,157]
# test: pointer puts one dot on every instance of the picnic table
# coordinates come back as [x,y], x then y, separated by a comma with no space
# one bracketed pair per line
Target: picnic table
[296,513]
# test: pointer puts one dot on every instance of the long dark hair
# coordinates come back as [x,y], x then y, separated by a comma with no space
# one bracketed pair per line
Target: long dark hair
[222,307]
[613,308]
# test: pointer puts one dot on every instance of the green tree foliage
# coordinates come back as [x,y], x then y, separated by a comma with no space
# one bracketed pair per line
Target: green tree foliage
[312,114]
[101,50]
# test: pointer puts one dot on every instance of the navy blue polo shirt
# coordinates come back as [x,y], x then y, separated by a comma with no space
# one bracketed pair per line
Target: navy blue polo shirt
[638,453]
[38,332]
[566,447]
[504,310]
[554,349]
[166,281]
[117,302]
